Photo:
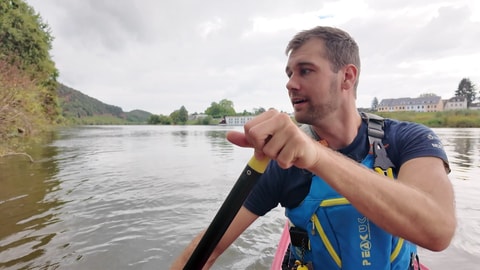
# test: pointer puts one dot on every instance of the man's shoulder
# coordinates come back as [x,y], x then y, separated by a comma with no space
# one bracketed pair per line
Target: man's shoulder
[409,140]
[396,128]
[404,127]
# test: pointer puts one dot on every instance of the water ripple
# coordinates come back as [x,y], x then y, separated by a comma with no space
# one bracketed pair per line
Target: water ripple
[133,197]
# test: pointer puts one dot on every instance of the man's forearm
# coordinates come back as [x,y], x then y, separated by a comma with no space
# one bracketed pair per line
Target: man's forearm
[181,260]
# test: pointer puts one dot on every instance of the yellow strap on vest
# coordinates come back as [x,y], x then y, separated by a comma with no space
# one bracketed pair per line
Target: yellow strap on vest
[343,201]
[334,202]
[397,249]
[326,242]
[388,172]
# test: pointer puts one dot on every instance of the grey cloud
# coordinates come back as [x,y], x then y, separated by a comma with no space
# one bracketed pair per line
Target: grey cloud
[450,32]
[156,56]
[391,41]
[109,24]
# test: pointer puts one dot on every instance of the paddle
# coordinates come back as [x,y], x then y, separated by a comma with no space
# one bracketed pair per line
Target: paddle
[226,213]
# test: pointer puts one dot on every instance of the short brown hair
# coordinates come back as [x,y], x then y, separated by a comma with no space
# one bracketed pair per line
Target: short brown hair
[341,49]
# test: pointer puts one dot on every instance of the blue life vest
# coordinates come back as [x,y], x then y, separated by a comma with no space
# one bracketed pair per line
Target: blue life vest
[340,237]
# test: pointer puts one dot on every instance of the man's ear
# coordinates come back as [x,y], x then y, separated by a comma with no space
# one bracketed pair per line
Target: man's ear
[350,75]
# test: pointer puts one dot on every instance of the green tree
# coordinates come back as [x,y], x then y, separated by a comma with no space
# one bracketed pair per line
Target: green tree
[374,105]
[165,120]
[223,108]
[154,119]
[25,41]
[175,117]
[20,113]
[257,111]
[179,116]
[207,120]
[214,110]
[204,120]
[183,114]
[159,120]
[466,89]
[245,113]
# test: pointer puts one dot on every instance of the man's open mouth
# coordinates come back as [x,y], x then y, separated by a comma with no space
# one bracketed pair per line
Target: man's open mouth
[298,101]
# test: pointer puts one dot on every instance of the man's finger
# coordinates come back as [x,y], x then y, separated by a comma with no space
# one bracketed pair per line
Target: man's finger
[238,138]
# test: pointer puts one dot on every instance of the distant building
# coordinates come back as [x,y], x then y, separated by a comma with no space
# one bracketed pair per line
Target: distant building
[420,104]
[237,120]
[196,116]
[474,106]
[456,103]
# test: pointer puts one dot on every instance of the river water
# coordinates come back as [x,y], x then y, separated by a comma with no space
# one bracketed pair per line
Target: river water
[132,197]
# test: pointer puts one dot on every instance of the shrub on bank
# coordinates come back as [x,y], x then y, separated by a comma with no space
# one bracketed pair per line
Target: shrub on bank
[457,118]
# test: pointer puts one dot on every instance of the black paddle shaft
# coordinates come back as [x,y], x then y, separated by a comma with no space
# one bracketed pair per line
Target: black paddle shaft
[226,213]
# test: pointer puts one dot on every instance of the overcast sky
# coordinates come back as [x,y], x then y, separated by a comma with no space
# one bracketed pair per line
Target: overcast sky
[157,55]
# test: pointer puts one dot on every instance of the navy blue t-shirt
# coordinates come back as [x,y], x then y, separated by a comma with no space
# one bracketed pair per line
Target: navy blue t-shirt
[288,187]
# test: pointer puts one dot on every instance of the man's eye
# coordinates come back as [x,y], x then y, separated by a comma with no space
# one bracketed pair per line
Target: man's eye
[305,71]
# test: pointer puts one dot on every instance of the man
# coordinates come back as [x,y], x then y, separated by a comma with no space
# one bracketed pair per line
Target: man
[344,214]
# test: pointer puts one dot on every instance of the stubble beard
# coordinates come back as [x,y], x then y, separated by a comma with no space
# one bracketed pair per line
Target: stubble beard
[317,113]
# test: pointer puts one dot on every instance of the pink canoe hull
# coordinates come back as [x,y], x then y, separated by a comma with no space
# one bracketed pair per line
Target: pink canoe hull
[283,245]
[281,249]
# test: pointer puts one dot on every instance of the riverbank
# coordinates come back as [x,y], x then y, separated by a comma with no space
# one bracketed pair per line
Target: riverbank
[444,119]
[450,119]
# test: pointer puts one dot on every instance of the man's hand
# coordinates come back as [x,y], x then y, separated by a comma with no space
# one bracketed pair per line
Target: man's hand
[275,135]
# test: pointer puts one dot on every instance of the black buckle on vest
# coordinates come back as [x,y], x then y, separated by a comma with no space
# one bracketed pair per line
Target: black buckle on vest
[298,237]
[381,159]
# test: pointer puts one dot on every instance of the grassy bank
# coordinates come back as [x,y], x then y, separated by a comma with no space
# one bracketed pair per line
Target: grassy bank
[97,120]
[454,119]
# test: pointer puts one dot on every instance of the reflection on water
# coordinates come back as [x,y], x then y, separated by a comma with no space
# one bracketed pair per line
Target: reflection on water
[27,207]
[181,137]
[132,197]
[219,144]
[463,149]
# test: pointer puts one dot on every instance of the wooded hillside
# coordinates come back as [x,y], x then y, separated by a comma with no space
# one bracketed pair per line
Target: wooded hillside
[31,100]
[79,108]
[76,104]
[28,99]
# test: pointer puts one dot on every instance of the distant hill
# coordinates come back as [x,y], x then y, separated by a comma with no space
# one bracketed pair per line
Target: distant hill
[138,116]
[83,109]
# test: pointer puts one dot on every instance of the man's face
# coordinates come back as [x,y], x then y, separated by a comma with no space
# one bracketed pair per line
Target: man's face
[313,87]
